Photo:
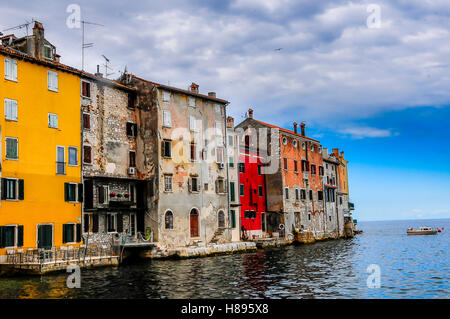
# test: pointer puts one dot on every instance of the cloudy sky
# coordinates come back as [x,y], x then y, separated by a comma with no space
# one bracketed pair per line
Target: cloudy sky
[376,88]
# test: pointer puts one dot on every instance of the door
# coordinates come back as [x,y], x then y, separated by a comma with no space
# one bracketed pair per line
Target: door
[45,236]
[194,223]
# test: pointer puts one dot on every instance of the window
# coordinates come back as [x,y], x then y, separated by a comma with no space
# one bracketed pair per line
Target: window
[68,233]
[10,69]
[221,219]
[231,161]
[285,163]
[321,170]
[232,192]
[218,127]
[233,218]
[329,218]
[73,192]
[132,190]
[60,160]
[48,52]
[241,190]
[297,194]
[312,147]
[193,123]
[250,214]
[303,194]
[194,185]
[295,143]
[166,151]
[11,236]
[193,152]
[103,194]
[219,155]
[87,154]
[52,120]
[132,159]
[305,166]
[166,96]
[311,195]
[320,195]
[191,101]
[260,190]
[52,81]
[111,223]
[73,156]
[168,218]
[217,109]
[85,89]
[340,200]
[10,110]
[12,148]
[12,189]
[167,183]
[259,169]
[220,186]
[247,141]
[286,192]
[131,129]
[86,121]
[313,169]
[303,146]
[284,140]
[131,100]
[309,216]
[230,140]
[241,167]
[295,166]
[167,118]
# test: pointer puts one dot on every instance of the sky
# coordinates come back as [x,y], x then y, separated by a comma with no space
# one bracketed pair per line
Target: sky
[368,77]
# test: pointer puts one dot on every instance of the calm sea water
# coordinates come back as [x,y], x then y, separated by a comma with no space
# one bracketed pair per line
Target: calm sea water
[411,267]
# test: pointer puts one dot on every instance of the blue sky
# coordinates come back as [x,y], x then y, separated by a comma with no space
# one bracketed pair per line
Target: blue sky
[379,94]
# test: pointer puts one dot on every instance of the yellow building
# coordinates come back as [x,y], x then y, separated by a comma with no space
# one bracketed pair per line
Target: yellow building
[41,190]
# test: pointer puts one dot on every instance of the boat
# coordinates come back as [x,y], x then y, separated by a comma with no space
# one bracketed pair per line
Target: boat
[422,231]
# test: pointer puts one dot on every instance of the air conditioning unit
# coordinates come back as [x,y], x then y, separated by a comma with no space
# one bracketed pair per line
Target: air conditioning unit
[131,170]
[221,165]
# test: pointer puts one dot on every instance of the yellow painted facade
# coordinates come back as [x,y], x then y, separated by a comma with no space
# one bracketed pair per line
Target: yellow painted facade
[44,190]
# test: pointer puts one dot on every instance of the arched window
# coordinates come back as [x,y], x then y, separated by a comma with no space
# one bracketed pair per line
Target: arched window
[169,220]
[221,218]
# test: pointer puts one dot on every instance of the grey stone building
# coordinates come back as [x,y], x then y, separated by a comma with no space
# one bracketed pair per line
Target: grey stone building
[185,162]
[114,192]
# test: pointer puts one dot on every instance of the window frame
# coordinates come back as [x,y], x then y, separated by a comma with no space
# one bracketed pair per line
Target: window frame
[168,213]
[16,236]
[114,215]
[74,233]
[12,78]
[163,150]
[16,104]
[88,116]
[90,148]
[129,158]
[59,162]
[50,86]
[76,155]
[166,178]
[6,148]
[49,121]
[89,85]
[16,189]
[76,193]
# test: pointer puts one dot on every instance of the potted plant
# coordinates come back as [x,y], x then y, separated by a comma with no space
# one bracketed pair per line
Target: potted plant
[112,194]
[119,195]
[127,195]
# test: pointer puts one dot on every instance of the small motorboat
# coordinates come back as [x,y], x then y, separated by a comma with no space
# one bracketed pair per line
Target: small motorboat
[422,231]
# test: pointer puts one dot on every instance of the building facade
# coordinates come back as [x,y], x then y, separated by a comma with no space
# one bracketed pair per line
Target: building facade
[188,201]
[233,178]
[41,190]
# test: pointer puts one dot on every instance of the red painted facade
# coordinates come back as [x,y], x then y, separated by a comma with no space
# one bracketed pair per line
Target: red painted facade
[253,199]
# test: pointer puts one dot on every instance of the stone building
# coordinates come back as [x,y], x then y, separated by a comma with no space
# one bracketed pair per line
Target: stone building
[233,177]
[114,192]
[295,198]
[185,163]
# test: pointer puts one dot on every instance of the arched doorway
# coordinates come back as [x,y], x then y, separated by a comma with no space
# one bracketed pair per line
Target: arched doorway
[194,223]
[221,218]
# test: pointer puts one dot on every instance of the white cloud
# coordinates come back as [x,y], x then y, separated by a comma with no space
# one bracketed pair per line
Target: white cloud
[362,132]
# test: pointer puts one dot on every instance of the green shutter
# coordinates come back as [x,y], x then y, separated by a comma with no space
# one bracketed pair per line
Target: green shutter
[20,236]
[21,189]
[78,233]
[80,193]
[232,193]
[64,239]
[66,192]
[3,188]
[1,237]
[233,219]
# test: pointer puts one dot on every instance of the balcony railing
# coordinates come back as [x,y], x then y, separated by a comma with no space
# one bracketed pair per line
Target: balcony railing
[61,168]
[351,206]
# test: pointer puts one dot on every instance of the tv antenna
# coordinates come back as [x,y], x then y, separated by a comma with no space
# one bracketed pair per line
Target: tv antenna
[86,45]
[107,67]
[21,26]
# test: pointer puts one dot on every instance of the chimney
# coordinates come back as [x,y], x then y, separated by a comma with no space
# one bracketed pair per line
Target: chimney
[38,38]
[98,74]
[336,152]
[342,154]
[230,122]
[194,88]
[302,127]
[250,113]
[325,151]
[212,94]
[295,127]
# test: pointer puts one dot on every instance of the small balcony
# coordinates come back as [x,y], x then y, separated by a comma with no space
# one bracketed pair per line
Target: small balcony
[351,206]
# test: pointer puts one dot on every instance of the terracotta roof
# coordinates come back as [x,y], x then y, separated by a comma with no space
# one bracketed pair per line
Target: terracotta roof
[285,130]
[57,65]
[168,87]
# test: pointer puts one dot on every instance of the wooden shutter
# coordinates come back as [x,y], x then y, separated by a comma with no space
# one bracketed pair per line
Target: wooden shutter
[163,148]
[95,223]
[119,223]
[232,192]
[80,193]
[20,236]
[78,228]
[134,129]
[101,194]
[64,239]
[3,188]
[66,192]
[2,245]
